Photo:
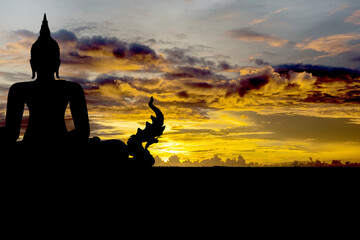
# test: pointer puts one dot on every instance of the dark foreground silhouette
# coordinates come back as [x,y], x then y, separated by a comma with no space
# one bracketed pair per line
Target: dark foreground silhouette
[46,137]
[75,150]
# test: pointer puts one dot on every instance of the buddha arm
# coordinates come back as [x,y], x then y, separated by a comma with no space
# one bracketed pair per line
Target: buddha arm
[79,114]
[14,112]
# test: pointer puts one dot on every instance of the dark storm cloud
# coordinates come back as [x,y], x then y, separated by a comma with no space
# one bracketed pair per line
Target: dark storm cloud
[182,57]
[100,80]
[64,36]
[85,49]
[356,59]
[349,95]
[139,49]
[140,84]
[324,73]
[260,62]
[193,72]
[98,42]
[200,85]
[118,48]
[325,77]
[76,55]
[104,79]
[249,84]
[319,97]
[119,52]
[223,65]
[353,96]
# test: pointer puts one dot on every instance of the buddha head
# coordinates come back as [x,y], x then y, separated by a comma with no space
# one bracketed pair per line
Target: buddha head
[45,53]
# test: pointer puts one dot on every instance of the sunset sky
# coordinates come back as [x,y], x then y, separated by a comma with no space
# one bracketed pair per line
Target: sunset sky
[271,80]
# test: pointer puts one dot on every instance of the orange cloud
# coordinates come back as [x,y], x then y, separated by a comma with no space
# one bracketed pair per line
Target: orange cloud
[354,18]
[248,35]
[266,18]
[340,8]
[332,45]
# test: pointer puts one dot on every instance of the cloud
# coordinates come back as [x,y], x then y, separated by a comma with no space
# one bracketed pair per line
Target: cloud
[199,85]
[182,56]
[252,79]
[99,54]
[354,18]
[25,34]
[324,74]
[324,84]
[115,48]
[248,35]
[96,53]
[203,85]
[184,85]
[215,161]
[304,80]
[286,85]
[332,45]
[183,94]
[134,55]
[266,18]
[12,77]
[124,90]
[248,84]
[181,84]
[190,88]
[64,36]
[192,72]
[131,94]
[356,59]
[97,43]
[339,9]
[23,40]
[102,47]
[136,49]
[224,65]
[259,62]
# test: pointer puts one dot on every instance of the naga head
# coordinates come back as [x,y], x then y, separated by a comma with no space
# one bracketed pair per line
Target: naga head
[152,131]
[150,135]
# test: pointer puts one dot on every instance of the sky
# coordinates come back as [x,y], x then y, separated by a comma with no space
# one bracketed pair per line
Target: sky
[267,81]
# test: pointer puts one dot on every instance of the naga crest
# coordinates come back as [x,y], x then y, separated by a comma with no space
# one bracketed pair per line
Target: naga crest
[150,134]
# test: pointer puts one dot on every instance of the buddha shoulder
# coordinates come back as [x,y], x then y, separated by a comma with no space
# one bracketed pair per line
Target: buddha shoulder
[20,87]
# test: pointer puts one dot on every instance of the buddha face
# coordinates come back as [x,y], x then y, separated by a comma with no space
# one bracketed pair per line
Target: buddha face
[45,66]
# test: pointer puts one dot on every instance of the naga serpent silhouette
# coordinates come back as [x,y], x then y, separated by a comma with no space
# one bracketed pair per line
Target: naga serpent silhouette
[141,156]
[150,135]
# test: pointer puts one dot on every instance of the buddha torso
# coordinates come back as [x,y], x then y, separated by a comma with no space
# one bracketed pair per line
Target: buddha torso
[47,102]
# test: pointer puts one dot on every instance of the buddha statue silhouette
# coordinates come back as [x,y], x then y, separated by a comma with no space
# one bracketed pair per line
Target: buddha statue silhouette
[47,100]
